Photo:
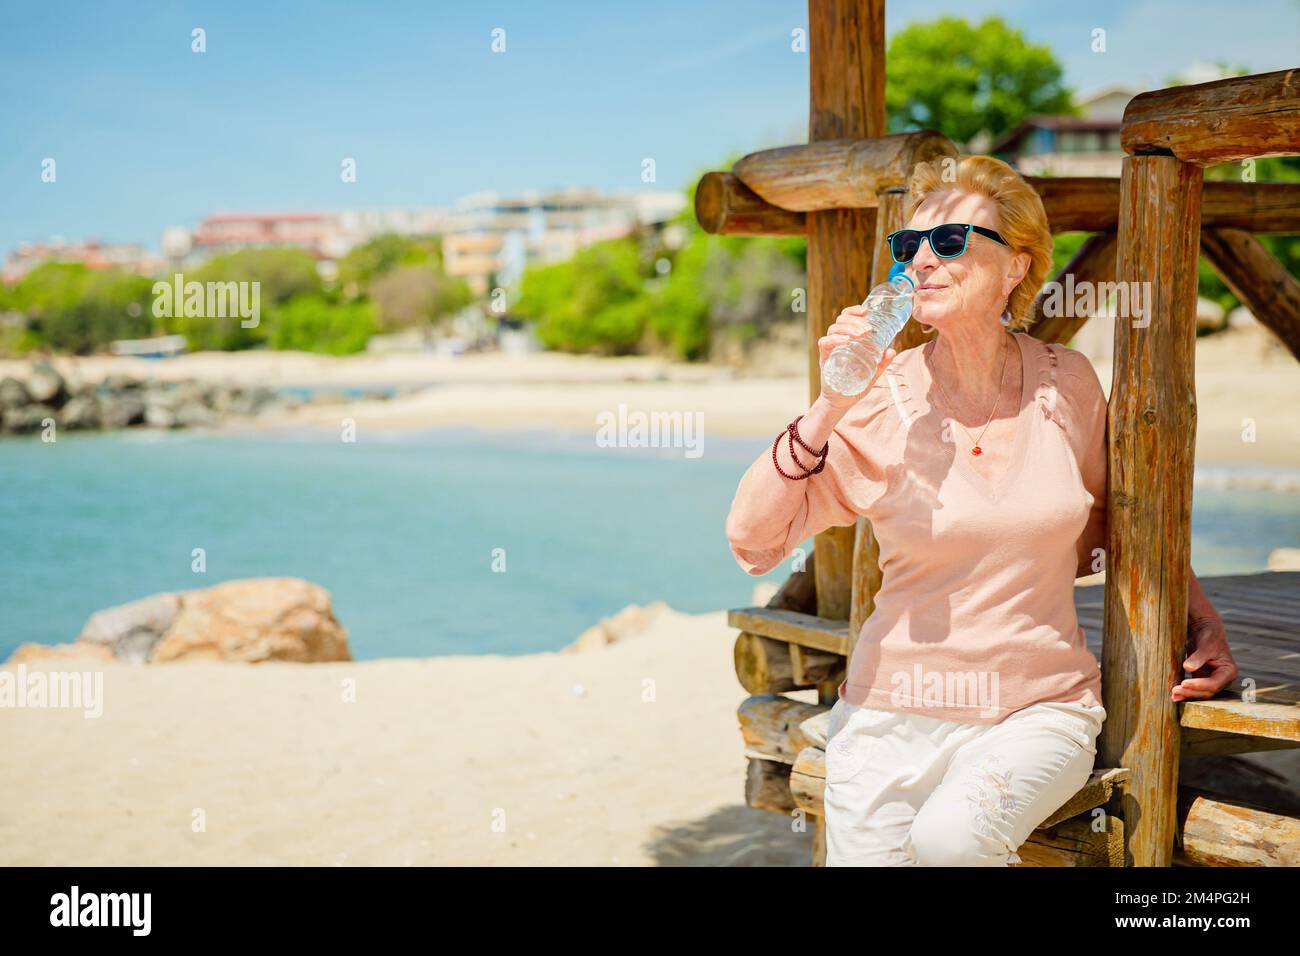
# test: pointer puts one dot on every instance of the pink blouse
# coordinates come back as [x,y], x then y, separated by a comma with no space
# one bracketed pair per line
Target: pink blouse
[975,617]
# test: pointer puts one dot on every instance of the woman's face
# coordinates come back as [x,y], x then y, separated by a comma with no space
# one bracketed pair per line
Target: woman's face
[974,285]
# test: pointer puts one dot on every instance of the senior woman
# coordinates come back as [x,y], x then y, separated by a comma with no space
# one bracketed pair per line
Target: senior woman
[972,707]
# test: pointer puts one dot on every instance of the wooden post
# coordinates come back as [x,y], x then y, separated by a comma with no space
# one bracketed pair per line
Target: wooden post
[1152,425]
[847,101]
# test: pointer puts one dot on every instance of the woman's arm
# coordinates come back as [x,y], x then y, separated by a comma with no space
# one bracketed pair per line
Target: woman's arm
[770,514]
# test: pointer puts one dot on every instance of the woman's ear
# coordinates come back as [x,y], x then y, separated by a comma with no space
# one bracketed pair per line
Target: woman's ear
[1017,271]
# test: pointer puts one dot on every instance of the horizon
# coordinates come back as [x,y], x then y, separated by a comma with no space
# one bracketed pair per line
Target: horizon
[147,134]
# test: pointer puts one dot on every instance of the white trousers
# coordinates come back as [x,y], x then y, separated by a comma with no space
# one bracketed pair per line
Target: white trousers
[907,790]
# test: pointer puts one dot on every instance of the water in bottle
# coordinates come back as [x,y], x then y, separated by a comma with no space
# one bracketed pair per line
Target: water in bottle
[851,366]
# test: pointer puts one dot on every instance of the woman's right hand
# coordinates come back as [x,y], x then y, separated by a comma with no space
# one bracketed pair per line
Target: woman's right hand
[850,324]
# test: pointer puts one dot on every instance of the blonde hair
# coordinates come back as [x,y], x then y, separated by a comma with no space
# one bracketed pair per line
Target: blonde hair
[1022,220]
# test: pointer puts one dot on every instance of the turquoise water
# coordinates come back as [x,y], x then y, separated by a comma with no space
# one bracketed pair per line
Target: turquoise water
[401,530]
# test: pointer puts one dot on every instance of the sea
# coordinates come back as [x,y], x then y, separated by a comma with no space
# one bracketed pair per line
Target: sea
[451,541]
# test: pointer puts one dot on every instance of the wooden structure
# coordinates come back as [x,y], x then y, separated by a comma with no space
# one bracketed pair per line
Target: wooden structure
[844,190]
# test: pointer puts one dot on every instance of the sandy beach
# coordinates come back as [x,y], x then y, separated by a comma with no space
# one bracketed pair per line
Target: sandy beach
[1248,388]
[543,759]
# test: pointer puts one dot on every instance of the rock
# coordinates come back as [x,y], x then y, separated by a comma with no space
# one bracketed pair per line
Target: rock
[118,382]
[260,619]
[46,386]
[130,631]
[630,621]
[13,394]
[195,414]
[74,651]
[1241,318]
[119,411]
[29,418]
[79,412]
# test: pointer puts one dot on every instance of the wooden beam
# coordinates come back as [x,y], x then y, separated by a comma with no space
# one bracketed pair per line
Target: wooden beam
[770,726]
[793,627]
[839,174]
[765,665]
[1093,263]
[1152,432]
[846,67]
[1220,122]
[1258,280]
[799,591]
[726,206]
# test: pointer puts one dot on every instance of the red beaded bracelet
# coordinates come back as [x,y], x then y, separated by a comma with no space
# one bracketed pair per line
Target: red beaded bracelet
[792,434]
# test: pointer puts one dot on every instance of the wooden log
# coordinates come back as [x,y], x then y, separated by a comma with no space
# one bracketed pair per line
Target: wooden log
[1258,280]
[808,780]
[768,666]
[1217,832]
[767,786]
[1152,431]
[1220,122]
[1093,263]
[839,174]
[769,726]
[726,206]
[1075,843]
[799,591]
[846,71]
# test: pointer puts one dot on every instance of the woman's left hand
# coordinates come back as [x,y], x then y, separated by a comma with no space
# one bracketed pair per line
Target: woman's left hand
[1209,664]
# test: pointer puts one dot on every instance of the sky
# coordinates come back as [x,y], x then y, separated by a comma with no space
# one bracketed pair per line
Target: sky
[147,134]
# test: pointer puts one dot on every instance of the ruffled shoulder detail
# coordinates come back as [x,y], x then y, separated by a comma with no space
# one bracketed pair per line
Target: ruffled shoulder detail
[1068,391]
[1045,367]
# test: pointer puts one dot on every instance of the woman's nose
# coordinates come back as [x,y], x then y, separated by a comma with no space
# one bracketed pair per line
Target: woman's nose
[925,261]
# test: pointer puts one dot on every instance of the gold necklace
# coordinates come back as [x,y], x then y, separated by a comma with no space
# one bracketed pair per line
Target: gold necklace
[975,446]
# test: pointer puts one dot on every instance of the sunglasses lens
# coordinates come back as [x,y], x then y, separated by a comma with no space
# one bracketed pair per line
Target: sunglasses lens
[948,240]
[904,245]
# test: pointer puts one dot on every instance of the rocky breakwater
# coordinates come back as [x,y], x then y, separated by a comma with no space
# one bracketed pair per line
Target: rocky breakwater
[251,621]
[31,403]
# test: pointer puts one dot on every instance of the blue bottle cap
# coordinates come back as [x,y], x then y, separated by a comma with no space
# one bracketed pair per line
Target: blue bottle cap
[899,269]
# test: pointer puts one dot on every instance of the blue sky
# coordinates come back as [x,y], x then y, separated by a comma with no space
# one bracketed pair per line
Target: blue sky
[147,134]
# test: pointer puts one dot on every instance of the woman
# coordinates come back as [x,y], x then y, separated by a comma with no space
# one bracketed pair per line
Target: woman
[972,706]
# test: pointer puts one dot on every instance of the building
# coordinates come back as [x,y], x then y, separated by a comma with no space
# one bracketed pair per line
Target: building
[93,254]
[492,238]
[1084,145]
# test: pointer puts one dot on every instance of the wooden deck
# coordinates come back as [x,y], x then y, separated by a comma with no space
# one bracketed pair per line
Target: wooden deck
[1261,614]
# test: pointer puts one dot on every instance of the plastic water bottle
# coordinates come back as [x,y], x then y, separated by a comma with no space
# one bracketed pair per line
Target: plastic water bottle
[851,366]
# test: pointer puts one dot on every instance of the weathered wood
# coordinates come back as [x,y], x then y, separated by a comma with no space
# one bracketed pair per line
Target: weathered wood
[1093,263]
[839,174]
[767,786]
[1218,832]
[1097,792]
[1152,429]
[762,664]
[799,591]
[1279,722]
[1075,843]
[846,72]
[768,666]
[1204,743]
[807,630]
[1258,280]
[770,726]
[1220,122]
[726,206]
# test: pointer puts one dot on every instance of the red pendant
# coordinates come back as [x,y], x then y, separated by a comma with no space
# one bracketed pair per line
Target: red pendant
[976,450]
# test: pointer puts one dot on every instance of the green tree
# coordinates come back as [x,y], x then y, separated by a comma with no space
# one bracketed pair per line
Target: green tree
[316,324]
[963,79]
[76,309]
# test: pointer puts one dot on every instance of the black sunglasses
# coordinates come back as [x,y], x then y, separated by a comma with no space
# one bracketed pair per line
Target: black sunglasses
[947,241]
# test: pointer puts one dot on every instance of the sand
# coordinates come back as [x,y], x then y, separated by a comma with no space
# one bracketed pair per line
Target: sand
[541,759]
[1248,388]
